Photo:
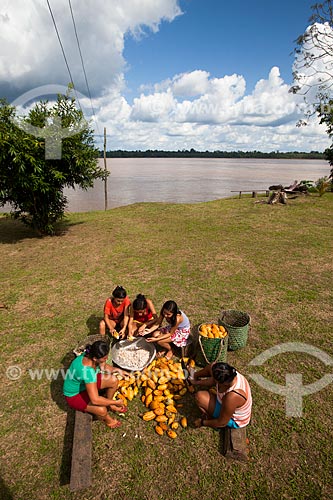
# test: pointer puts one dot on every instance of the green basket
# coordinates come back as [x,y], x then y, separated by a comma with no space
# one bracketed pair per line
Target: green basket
[237,324]
[211,350]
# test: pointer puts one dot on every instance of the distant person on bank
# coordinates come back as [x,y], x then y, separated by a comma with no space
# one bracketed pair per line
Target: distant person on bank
[232,404]
[116,314]
[87,375]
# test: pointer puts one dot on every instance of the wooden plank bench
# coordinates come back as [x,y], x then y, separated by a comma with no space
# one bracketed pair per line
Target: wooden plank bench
[254,193]
[234,443]
[81,452]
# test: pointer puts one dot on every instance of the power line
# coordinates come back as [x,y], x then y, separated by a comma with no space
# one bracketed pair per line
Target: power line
[63,52]
[84,71]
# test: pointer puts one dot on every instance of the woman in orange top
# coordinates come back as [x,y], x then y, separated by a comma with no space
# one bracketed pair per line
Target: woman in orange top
[116,313]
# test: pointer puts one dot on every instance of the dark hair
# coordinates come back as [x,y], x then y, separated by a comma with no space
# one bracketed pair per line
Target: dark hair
[140,302]
[171,306]
[119,292]
[98,349]
[222,372]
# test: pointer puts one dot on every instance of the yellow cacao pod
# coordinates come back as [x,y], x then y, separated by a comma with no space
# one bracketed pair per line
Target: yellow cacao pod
[163,380]
[149,415]
[148,391]
[159,430]
[183,422]
[172,434]
[171,408]
[160,418]
[151,384]
[148,400]
[171,418]
[154,404]
[159,411]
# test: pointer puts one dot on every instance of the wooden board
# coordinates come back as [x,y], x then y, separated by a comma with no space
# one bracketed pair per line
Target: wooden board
[81,454]
[234,443]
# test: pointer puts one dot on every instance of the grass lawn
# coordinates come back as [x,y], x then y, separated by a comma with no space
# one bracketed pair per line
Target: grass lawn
[274,262]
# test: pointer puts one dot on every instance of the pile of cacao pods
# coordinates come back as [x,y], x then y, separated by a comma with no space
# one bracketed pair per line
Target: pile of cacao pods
[212,331]
[162,385]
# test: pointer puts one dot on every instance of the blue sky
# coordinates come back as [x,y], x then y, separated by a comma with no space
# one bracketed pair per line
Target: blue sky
[166,74]
[221,37]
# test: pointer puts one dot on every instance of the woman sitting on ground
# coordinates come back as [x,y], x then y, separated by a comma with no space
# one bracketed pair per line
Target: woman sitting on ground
[142,315]
[86,376]
[232,404]
[116,314]
[176,332]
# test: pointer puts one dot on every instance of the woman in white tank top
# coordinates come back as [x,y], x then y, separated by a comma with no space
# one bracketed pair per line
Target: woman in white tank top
[232,404]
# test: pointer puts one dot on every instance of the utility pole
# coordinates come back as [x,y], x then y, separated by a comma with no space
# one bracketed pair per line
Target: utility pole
[106,175]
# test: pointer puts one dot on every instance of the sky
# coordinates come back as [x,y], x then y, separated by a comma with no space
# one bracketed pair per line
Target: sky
[165,74]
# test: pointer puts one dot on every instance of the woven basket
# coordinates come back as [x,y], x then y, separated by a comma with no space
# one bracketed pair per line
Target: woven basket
[237,325]
[211,350]
[88,341]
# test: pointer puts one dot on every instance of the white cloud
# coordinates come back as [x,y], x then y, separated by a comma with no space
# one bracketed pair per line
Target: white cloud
[190,84]
[31,53]
[155,107]
[222,117]
[314,63]
[190,109]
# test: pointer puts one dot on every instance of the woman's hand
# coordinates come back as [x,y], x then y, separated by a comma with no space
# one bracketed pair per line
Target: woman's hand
[141,329]
[198,423]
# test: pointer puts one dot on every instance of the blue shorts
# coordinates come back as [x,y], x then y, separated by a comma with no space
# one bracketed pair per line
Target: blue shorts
[232,424]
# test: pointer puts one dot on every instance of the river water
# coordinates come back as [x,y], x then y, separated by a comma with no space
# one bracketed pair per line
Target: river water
[189,180]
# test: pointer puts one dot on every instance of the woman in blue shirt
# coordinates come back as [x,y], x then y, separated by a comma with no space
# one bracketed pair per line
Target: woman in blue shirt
[86,376]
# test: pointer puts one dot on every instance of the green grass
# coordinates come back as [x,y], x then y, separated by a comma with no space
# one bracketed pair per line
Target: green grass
[275,262]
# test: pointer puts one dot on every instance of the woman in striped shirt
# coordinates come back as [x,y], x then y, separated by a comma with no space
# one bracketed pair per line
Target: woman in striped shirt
[232,404]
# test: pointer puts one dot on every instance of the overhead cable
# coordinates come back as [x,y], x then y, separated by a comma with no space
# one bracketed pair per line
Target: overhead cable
[63,52]
[83,68]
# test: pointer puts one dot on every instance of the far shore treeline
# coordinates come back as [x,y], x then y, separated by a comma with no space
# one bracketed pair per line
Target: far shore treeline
[192,153]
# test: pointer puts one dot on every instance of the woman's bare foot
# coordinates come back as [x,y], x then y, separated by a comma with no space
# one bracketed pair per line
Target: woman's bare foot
[112,423]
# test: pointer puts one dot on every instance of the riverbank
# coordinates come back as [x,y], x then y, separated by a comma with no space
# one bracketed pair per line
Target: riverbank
[273,262]
[192,153]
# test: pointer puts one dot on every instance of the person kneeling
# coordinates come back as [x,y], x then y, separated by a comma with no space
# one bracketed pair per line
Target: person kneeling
[87,375]
[232,404]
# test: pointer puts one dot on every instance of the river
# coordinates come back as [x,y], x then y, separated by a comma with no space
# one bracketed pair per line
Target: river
[189,180]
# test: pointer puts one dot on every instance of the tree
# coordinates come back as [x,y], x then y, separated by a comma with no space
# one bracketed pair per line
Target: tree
[313,69]
[32,180]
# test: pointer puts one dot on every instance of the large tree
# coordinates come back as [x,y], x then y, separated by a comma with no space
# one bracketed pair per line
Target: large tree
[41,154]
[313,69]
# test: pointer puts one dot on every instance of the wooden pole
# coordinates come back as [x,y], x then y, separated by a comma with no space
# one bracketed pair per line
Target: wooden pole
[105,177]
